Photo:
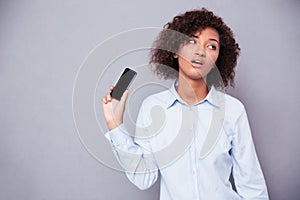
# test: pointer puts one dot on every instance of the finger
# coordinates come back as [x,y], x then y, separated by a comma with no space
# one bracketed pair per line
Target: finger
[104,100]
[111,88]
[124,96]
[108,96]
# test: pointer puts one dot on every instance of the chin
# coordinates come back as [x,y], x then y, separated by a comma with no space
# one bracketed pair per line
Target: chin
[194,74]
[197,77]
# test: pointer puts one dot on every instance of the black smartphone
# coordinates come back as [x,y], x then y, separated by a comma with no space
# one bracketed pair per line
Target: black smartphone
[123,83]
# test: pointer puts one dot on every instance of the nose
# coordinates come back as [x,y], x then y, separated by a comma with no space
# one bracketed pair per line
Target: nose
[199,51]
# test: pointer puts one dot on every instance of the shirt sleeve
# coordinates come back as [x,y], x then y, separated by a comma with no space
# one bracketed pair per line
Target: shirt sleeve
[135,157]
[247,173]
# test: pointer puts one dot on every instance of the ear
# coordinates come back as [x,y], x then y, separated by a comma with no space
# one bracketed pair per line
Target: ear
[175,55]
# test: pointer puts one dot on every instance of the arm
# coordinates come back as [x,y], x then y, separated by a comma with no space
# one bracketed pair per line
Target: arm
[248,176]
[135,157]
[137,162]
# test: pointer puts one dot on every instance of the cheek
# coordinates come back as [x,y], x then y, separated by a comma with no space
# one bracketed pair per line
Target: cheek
[186,52]
[181,64]
[182,61]
[213,57]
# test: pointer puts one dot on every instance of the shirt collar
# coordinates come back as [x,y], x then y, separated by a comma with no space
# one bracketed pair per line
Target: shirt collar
[212,97]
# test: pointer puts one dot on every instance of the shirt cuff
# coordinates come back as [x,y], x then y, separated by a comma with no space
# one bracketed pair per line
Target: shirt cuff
[118,135]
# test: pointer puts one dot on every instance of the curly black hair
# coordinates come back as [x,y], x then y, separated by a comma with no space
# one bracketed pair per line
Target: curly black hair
[183,26]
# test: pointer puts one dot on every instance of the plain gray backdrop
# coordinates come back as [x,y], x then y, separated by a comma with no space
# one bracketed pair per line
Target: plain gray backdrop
[43,44]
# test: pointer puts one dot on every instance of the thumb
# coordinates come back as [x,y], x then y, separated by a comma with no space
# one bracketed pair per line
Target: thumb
[124,97]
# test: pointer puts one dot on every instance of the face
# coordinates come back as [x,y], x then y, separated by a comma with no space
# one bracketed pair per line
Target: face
[198,55]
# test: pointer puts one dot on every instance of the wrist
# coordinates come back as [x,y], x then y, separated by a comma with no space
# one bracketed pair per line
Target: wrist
[113,125]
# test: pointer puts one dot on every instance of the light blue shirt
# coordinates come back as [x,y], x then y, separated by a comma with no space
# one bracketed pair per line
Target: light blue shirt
[194,148]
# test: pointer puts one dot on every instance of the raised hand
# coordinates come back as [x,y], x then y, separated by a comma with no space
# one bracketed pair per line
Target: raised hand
[113,109]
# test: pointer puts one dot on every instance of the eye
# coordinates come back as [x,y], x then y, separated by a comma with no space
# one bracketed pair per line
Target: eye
[191,41]
[212,47]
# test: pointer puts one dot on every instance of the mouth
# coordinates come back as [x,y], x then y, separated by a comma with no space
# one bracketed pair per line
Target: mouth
[197,63]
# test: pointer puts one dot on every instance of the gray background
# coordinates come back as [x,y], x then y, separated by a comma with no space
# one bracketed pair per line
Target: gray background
[43,44]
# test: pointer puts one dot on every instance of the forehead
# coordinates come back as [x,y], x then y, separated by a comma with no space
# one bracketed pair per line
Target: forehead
[207,32]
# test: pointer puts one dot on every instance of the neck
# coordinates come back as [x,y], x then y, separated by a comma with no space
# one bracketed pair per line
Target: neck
[192,91]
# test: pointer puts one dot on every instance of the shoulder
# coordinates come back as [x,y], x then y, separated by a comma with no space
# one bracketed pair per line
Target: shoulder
[153,105]
[234,108]
[162,98]
[233,103]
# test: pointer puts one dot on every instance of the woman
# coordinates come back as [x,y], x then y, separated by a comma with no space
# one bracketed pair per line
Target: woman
[201,49]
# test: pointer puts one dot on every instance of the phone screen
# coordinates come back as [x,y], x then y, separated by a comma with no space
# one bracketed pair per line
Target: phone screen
[123,83]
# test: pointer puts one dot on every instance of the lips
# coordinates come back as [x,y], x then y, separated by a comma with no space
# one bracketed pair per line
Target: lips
[197,63]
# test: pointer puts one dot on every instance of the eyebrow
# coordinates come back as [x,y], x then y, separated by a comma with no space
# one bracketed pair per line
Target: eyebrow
[212,39]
